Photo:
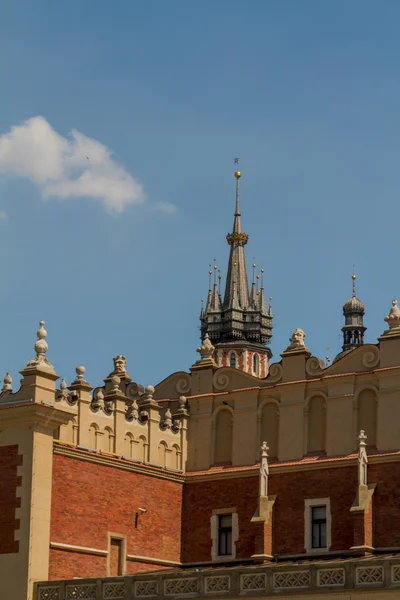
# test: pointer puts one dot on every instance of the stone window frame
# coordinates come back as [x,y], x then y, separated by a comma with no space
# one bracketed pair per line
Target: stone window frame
[308,505]
[216,513]
[116,536]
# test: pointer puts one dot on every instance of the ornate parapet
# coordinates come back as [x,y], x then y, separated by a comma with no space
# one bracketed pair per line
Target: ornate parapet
[382,574]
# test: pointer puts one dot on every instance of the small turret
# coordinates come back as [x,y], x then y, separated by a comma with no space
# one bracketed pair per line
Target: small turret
[353,330]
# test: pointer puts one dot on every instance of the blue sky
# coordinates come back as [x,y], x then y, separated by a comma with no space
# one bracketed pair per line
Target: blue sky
[306,93]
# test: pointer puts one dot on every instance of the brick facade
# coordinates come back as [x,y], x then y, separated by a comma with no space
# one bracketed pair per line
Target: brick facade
[10,460]
[89,501]
[380,524]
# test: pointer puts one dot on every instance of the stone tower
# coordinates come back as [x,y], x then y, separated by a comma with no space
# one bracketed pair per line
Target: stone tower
[240,325]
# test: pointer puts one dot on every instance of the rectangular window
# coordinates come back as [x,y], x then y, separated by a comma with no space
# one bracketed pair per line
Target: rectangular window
[318,527]
[225,535]
[115,557]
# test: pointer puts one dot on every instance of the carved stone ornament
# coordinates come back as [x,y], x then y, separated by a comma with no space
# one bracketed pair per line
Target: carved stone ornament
[220,381]
[371,358]
[98,399]
[206,350]
[7,387]
[168,419]
[315,366]
[393,318]
[297,340]
[275,373]
[41,348]
[63,393]
[362,459]
[184,384]
[264,470]
[115,383]
[119,364]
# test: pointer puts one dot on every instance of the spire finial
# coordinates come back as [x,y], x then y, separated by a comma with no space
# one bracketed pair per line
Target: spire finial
[238,176]
[209,279]
[262,279]
[354,277]
[41,348]
[215,273]
[254,271]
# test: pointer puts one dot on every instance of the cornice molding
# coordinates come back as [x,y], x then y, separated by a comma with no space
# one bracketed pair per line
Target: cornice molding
[116,462]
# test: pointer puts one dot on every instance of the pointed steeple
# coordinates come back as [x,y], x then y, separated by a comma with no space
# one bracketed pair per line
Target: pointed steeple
[237,272]
[242,320]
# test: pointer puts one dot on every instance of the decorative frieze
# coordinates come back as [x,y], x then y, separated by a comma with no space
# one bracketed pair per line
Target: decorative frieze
[267,581]
[253,583]
[330,577]
[146,589]
[82,591]
[49,592]
[369,575]
[181,586]
[113,591]
[221,583]
[291,580]
[396,574]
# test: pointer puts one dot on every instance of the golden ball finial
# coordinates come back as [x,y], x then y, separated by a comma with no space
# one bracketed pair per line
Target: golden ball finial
[238,174]
[354,277]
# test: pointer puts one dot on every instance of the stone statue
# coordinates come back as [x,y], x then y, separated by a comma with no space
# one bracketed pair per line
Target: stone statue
[264,470]
[297,339]
[362,459]
[119,364]
[393,318]
[206,350]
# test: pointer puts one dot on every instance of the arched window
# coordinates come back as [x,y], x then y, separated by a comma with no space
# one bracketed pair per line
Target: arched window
[141,449]
[93,437]
[223,437]
[367,415]
[316,425]
[256,365]
[176,457]
[128,445]
[162,454]
[108,440]
[232,360]
[270,428]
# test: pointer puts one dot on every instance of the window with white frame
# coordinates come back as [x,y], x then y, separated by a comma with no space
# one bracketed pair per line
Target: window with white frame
[232,360]
[224,534]
[317,525]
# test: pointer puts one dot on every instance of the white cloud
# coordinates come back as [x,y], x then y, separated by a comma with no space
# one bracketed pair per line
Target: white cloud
[165,207]
[61,167]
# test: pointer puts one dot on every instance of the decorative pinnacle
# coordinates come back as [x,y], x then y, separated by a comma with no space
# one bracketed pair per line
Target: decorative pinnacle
[362,439]
[7,387]
[80,372]
[237,173]
[264,450]
[41,345]
[354,277]
[41,348]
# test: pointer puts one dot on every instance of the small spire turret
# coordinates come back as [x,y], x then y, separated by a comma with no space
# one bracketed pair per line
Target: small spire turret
[353,312]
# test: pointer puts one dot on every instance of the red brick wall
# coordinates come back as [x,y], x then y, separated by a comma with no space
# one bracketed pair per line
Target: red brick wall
[381,523]
[89,500]
[9,481]
[386,504]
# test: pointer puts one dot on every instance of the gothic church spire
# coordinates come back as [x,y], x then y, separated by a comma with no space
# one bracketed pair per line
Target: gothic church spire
[242,320]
